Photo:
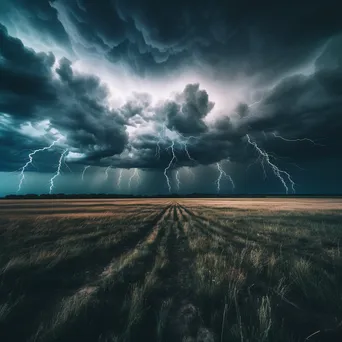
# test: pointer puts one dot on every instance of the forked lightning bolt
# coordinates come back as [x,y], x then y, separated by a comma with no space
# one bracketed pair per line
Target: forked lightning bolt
[221,174]
[172,147]
[277,172]
[179,140]
[30,161]
[185,145]
[134,174]
[58,172]
[84,170]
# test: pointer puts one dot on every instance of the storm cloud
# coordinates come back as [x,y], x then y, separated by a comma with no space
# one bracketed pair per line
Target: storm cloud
[147,85]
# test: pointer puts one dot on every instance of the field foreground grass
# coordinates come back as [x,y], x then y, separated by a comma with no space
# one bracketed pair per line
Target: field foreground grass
[171,270]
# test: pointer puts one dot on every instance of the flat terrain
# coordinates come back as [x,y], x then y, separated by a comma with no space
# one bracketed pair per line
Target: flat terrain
[171,270]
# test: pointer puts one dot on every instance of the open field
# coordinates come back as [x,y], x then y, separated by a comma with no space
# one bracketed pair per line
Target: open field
[171,270]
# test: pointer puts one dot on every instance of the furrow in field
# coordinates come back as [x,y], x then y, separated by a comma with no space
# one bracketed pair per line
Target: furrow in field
[179,317]
[99,301]
[86,268]
[85,257]
[213,229]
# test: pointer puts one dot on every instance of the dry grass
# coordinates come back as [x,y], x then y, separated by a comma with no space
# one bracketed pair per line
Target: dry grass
[193,270]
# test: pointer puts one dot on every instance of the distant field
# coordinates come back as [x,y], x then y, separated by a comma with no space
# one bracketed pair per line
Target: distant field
[171,270]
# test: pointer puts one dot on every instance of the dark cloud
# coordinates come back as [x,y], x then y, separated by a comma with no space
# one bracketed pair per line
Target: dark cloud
[290,53]
[74,104]
[25,77]
[187,112]
[233,37]
[305,106]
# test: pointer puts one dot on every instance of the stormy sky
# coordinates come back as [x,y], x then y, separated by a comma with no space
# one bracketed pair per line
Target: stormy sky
[152,97]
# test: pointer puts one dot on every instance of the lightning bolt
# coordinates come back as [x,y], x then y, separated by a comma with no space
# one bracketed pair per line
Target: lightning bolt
[295,140]
[221,174]
[182,143]
[178,180]
[161,139]
[277,172]
[106,172]
[119,179]
[58,172]
[30,161]
[172,147]
[84,170]
[185,145]
[255,103]
[134,174]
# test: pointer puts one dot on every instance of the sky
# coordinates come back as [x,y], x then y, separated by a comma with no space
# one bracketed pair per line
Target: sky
[157,97]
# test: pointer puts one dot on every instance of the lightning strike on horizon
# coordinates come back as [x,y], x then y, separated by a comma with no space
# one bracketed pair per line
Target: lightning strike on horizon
[119,179]
[134,174]
[106,172]
[30,161]
[277,172]
[295,140]
[170,164]
[221,174]
[180,140]
[178,180]
[84,170]
[58,172]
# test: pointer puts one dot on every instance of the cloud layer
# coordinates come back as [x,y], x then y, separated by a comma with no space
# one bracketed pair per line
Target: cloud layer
[272,72]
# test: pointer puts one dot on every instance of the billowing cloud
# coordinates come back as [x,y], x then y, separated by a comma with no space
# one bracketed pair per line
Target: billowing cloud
[232,69]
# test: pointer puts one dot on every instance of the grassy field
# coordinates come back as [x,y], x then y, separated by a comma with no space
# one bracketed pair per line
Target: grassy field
[171,270]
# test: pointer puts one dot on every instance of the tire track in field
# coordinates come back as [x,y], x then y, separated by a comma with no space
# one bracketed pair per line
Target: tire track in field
[100,302]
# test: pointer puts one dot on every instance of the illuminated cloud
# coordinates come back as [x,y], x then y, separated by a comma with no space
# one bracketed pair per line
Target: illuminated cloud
[118,80]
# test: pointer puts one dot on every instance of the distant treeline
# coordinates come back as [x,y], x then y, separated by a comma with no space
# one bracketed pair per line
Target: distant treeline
[193,195]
